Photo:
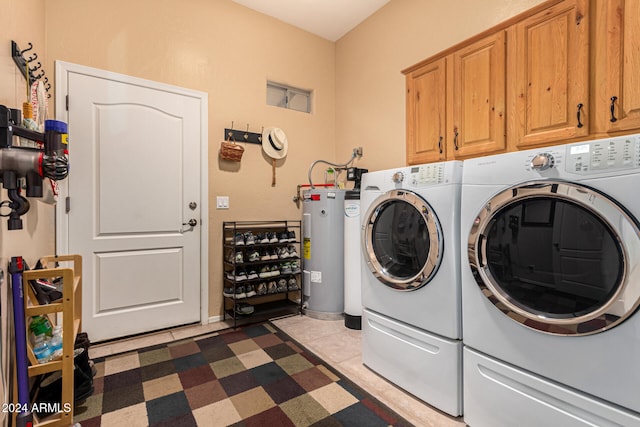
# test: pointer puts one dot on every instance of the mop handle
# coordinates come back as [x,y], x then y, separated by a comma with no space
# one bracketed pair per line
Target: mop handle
[16,267]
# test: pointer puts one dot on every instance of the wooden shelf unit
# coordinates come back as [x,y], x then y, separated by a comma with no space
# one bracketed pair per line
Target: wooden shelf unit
[71,309]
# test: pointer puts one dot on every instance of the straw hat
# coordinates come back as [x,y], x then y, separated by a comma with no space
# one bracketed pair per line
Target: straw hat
[274,143]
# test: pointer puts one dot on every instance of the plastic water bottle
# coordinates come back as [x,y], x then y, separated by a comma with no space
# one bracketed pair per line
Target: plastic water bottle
[41,350]
[56,342]
[40,325]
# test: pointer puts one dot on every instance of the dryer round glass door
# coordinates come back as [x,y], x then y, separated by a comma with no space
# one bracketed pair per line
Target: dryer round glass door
[558,257]
[402,240]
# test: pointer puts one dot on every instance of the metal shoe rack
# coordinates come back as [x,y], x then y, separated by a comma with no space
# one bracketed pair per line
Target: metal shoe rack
[275,303]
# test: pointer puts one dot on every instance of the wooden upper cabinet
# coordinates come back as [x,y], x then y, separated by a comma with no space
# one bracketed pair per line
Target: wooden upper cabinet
[550,65]
[617,75]
[476,98]
[426,109]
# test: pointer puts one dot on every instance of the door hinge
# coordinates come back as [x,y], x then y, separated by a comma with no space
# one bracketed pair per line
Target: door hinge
[67,204]
[67,102]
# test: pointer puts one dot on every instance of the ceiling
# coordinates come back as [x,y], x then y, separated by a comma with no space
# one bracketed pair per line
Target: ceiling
[329,19]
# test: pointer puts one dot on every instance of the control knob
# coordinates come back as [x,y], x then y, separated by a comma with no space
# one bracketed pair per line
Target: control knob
[398,177]
[542,161]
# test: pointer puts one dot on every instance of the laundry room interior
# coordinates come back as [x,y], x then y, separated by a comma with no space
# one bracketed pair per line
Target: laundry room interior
[387,212]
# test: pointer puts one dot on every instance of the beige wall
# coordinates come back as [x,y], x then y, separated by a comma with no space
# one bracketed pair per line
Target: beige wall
[18,22]
[370,88]
[228,51]
[23,22]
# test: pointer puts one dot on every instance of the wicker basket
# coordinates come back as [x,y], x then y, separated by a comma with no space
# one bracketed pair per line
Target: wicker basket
[229,150]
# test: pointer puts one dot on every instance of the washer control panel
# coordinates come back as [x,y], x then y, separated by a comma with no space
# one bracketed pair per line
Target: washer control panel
[424,175]
[604,155]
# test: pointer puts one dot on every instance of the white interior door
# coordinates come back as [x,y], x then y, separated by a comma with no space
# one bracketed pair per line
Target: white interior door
[137,173]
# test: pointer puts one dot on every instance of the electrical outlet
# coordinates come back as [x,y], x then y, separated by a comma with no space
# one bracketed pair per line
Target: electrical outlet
[358,151]
[222,202]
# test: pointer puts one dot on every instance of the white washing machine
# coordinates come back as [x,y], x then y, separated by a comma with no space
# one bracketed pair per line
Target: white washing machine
[551,286]
[411,282]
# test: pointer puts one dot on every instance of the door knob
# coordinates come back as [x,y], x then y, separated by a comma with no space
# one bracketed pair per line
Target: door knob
[191,223]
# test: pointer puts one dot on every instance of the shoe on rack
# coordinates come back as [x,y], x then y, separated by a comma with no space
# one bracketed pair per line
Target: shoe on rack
[230,275]
[292,236]
[239,258]
[273,237]
[252,275]
[265,271]
[261,238]
[227,292]
[282,253]
[274,254]
[244,309]
[261,289]
[295,267]
[264,255]
[239,292]
[253,256]
[282,285]
[249,238]
[240,275]
[250,291]
[283,237]
[239,239]
[285,268]
[292,284]
[275,270]
[293,253]
[272,288]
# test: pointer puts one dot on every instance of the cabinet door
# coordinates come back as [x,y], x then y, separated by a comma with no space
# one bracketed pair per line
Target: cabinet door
[477,98]
[552,75]
[618,40]
[426,111]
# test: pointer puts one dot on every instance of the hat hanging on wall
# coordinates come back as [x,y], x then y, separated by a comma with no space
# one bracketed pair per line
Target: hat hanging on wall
[275,145]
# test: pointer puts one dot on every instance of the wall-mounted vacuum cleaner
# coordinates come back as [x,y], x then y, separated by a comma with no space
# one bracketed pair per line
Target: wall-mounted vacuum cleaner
[32,164]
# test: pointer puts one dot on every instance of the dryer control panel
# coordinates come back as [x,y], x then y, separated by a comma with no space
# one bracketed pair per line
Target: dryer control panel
[424,175]
[603,155]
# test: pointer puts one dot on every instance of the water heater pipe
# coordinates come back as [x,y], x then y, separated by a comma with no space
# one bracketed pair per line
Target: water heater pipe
[357,153]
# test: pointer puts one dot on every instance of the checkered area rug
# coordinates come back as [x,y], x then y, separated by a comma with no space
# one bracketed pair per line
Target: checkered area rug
[255,376]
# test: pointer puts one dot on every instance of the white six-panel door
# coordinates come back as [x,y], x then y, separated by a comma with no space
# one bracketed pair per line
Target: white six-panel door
[136,179]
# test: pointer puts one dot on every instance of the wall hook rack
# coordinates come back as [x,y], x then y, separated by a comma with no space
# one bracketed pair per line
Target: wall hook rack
[243,135]
[23,63]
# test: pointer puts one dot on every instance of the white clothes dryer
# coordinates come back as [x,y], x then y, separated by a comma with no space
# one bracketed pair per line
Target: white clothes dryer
[411,282]
[551,286]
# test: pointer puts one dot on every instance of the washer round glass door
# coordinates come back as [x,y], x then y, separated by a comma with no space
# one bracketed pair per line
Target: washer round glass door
[402,240]
[558,257]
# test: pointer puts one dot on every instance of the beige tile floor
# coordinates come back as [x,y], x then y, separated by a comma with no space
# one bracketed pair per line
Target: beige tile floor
[338,346]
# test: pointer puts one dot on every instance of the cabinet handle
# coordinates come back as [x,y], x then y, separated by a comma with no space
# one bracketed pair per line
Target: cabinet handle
[440,144]
[613,109]
[455,138]
[579,111]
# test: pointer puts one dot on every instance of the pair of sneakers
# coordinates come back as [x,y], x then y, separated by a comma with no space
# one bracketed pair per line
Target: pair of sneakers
[240,292]
[268,237]
[269,271]
[287,236]
[236,257]
[288,252]
[241,239]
